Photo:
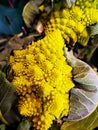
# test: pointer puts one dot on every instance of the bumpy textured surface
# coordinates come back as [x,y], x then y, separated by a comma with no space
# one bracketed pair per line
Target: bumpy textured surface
[72,22]
[43,80]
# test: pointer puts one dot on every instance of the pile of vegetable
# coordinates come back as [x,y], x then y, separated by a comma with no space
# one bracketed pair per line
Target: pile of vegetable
[47,84]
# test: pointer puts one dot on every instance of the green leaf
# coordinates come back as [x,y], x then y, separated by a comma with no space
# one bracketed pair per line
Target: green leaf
[2,127]
[70,2]
[89,123]
[94,29]
[2,118]
[24,125]
[83,114]
[82,72]
[55,126]
[84,96]
[7,101]
[30,11]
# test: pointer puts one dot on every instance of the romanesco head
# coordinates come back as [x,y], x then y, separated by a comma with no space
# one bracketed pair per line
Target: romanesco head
[43,80]
[72,22]
[87,3]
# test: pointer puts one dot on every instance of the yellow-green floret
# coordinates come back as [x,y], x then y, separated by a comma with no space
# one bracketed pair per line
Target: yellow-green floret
[43,80]
[72,22]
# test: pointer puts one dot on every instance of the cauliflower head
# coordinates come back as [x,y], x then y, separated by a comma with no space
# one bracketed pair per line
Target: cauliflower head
[43,80]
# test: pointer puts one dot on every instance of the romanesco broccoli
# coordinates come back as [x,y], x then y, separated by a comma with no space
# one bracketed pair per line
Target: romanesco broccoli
[43,80]
[72,22]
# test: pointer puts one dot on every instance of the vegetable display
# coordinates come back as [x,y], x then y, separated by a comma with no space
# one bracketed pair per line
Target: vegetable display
[45,80]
